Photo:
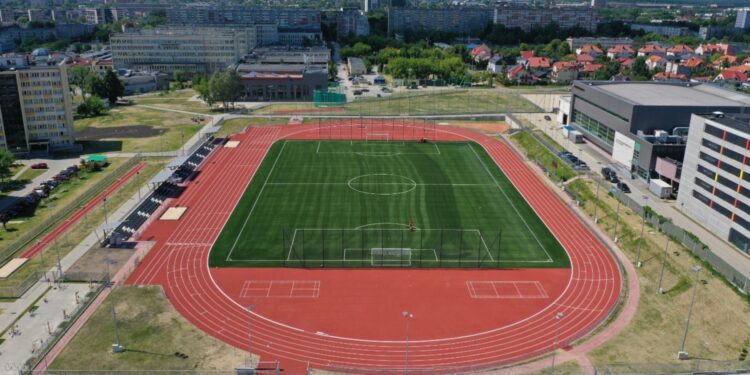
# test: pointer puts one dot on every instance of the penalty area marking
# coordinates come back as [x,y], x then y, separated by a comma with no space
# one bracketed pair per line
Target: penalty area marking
[378,153]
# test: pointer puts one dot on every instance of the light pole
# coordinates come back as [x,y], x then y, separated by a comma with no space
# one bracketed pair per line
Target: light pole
[640,241]
[682,354]
[663,264]
[408,317]
[116,347]
[250,309]
[596,204]
[617,222]
[104,204]
[558,318]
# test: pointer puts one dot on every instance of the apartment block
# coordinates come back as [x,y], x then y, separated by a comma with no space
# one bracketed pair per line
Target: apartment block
[527,18]
[351,21]
[715,188]
[452,20]
[35,109]
[284,18]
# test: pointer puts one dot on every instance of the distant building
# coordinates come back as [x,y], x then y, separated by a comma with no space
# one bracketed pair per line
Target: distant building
[39,15]
[282,82]
[284,18]
[450,20]
[666,30]
[713,189]
[36,109]
[289,55]
[718,32]
[139,83]
[526,18]
[193,49]
[637,122]
[598,3]
[7,16]
[606,43]
[12,35]
[743,19]
[100,16]
[356,66]
[351,21]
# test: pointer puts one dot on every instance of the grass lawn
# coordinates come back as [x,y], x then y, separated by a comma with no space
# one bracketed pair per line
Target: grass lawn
[419,103]
[30,174]
[719,328]
[341,203]
[177,99]
[151,332]
[75,234]
[536,151]
[236,125]
[135,129]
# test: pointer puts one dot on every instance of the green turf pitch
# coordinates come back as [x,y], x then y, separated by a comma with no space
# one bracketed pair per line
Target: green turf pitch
[349,204]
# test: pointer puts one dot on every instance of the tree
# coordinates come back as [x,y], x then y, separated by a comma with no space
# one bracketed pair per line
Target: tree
[94,85]
[180,76]
[226,87]
[4,219]
[77,76]
[639,71]
[7,159]
[201,86]
[114,89]
[92,106]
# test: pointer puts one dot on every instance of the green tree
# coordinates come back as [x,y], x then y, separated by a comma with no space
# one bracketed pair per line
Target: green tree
[92,106]
[114,89]
[6,162]
[201,86]
[77,77]
[94,85]
[639,71]
[226,87]
[180,76]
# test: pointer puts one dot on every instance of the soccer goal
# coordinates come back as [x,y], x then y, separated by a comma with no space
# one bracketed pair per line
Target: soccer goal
[390,257]
[379,137]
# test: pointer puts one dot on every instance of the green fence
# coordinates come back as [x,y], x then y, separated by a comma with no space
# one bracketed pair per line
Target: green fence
[326,98]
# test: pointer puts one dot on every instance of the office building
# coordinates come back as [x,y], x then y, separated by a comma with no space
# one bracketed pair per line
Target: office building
[7,16]
[39,15]
[743,19]
[35,109]
[604,42]
[282,82]
[450,20]
[351,21]
[639,122]
[193,49]
[666,30]
[715,190]
[289,55]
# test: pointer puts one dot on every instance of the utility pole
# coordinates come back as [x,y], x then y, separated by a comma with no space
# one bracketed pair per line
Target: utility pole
[104,204]
[116,347]
[596,204]
[408,317]
[663,265]
[640,241]
[558,318]
[617,222]
[682,354]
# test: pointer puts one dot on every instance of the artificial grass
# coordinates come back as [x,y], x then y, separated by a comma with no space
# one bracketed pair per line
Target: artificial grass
[349,204]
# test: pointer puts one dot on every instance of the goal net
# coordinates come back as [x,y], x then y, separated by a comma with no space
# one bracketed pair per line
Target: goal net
[390,257]
[377,137]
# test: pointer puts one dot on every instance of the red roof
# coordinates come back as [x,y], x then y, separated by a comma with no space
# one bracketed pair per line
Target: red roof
[588,48]
[692,62]
[732,75]
[560,65]
[627,62]
[527,54]
[585,58]
[539,62]
[620,48]
[590,68]
[651,48]
[480,49]
[515,70]
[664,76]
[680,49]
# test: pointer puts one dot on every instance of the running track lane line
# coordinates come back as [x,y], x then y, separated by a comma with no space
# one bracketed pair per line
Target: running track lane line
[50,237]
[189,285]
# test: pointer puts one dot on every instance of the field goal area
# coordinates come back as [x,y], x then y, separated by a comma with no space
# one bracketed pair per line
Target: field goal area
[391,247]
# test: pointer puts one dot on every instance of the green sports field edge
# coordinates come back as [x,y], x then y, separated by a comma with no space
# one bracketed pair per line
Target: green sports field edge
[379,203]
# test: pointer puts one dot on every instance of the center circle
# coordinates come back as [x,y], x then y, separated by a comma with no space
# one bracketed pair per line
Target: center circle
[382,184]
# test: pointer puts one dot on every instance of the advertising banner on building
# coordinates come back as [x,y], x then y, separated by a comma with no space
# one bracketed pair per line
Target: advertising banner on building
[622,150]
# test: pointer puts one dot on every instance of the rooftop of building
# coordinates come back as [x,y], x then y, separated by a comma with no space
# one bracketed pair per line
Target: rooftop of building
[739,122]
[684,94]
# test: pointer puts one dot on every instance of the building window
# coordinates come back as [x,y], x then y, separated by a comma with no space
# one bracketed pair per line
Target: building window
[594,127]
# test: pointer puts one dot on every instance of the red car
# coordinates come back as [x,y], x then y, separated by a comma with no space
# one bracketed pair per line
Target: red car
[39,166]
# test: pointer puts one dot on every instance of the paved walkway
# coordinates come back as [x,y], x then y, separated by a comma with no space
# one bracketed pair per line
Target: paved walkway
[597,158]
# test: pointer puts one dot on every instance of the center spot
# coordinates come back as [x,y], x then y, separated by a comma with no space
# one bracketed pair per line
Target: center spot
[382,184]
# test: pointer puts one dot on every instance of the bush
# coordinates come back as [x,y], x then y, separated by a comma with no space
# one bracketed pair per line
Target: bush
[92,106]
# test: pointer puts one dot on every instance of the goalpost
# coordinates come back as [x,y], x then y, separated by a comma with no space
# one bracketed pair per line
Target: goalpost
[377,137]
[390,257]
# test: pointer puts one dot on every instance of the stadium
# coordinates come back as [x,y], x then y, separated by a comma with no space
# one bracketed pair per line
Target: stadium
[379,245]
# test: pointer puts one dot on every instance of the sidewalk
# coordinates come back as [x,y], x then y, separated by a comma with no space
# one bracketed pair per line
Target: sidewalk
[596,159]
[16,350]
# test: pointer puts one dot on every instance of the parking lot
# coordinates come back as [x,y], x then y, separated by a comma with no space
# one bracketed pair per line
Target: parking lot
[361,86]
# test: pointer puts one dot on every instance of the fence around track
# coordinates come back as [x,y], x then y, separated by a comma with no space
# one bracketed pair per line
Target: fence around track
[26,239]
[389,247]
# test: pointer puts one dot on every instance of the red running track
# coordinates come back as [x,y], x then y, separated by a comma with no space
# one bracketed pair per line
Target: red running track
[88,207]
[209,298]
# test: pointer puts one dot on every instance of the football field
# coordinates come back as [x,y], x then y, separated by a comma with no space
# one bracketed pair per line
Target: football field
[382,203]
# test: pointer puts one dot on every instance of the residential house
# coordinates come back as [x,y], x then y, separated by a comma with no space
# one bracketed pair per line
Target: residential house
[725,61]
[564,72]
[519,73]
[669,77]
[481,53]
[620,51]
[686,67]
[731,77]
[495,64]
[655,62]
[588,71]
[584,59]
[652,49]
[712,49]
[680,50]
[537,64]
[589,49]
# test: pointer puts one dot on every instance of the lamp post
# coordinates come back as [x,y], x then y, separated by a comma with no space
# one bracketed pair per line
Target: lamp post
[663,264]
[408,317]
[640,241]
[558,318]
[682,354]
[617,222]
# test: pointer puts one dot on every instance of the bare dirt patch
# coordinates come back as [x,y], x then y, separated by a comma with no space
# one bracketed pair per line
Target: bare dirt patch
[93,133]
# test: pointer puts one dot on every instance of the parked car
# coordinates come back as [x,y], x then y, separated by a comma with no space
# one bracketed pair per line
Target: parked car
[547,118]
[39,166]
[624,187]
[605,172]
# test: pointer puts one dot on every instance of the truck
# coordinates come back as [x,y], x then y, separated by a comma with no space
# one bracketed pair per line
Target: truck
[660,188]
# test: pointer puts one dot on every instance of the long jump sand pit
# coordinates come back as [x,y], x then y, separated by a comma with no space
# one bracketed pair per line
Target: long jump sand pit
[232,144]
[173,213]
